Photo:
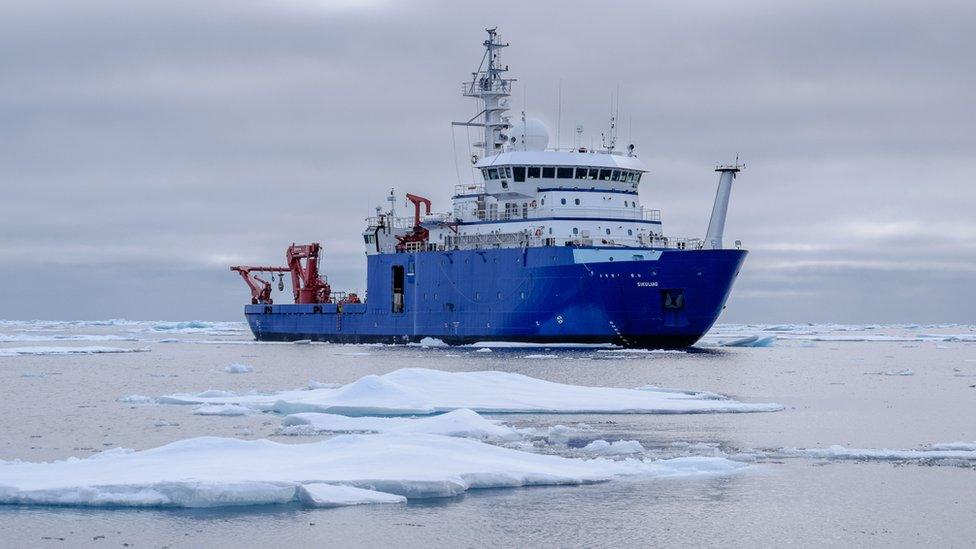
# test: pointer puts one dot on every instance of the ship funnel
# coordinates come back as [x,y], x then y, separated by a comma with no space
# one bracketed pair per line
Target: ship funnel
[716,225]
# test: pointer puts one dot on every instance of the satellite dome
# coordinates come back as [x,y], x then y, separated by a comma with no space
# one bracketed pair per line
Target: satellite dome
[532,135]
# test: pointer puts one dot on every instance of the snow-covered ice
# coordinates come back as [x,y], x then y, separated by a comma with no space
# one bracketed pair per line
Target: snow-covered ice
[419,391]
[952,452]
[9,338]
[222,410]
[26,351]
[237,368]
[317,494]
[217,472]
[615,448]
[458,423]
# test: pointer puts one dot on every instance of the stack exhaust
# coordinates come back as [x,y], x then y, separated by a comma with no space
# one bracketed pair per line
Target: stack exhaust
[716,225]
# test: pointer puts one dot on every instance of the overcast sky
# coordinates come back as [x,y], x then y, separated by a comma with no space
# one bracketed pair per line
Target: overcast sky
[145,146]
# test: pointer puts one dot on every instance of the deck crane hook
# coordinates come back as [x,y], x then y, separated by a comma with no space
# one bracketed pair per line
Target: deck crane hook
[281,282]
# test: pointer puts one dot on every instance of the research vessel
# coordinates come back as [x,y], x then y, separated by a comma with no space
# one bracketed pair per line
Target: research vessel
[548,245]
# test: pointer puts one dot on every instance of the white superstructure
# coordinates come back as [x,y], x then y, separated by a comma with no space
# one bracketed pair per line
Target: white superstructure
[530,194]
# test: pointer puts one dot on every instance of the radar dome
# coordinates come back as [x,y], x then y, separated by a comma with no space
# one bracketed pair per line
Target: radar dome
[532,135]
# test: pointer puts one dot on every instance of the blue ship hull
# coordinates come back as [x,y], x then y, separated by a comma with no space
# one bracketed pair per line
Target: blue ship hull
[635,297]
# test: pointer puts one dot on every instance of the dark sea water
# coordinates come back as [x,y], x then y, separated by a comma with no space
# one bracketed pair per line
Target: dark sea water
[874,387]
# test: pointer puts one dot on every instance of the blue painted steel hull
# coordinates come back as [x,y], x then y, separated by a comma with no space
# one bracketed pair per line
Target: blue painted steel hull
[668,299]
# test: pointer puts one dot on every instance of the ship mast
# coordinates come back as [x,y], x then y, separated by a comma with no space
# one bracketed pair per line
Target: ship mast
[489,86]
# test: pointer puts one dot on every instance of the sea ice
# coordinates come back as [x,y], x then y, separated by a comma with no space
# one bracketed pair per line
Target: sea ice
[222,410]
[936,452]
[616,448]
[540,356]
[419,391]
[317,494]
[22,351]
[237,369]
[216,472]
[7,338]
[137,399]
[483,350]
[458,423]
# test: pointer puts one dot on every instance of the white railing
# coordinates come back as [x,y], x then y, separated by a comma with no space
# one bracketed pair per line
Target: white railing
[471,188]
[526,239]
[387,221]
[477,88]
[622,214]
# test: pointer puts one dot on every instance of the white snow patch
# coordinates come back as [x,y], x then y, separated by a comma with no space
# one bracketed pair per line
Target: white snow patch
[8,338]
[222,410]
[644,351]
[428,342]
[963,446]
[317,494]
[540,356]
[23,351]
[616,448]
[302,342]
[216,472]
[419,391]
[458,423]
[483,350]
[238,369]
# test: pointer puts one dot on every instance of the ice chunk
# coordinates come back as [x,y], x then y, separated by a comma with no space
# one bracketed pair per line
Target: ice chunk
[137,399]
[540,356]
[483,350]
[419,391]
[335,495]
[21,351]
[963,446]
[458,423]
[749,341]
[430,342]
[237,369]
[222,410]
[935,453]
[616,448]
[213,472]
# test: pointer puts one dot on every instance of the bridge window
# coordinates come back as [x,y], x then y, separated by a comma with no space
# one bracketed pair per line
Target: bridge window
[518,173]
[594,174]
[637,177]
[605,175]
[492,173]
[580,173]
[532,173]
[615,176]
[548,172]
[564,173]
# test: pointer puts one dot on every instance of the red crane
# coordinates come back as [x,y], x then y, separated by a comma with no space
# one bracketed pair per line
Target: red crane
[419,234]
[303,264]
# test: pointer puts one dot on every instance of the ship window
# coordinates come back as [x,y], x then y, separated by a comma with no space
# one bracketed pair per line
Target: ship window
[549,172]
[562,200]
[580,173]
[504,184]
[615,176]
[532,173]
[605,175]
[626,204]
[637,177]
[630,176]
[542,201]
[564,173]
[550,230]
[484,173]
[594,174]
[492,173]
[518,173]
[577,201]
[575,230]
[508,172]
[608,231]
[630,232]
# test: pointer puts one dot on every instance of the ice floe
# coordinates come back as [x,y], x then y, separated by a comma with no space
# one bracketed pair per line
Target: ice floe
[137,399]
[233,410]
[904,372]
[953,453]
[458,423]
[419,391]
[11,338]
[218,472]
[615,448]
[27,351]
[318,494]
[238,368]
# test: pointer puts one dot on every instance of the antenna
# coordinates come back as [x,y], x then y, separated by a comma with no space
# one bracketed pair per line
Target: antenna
[579,136]
[559,109]
[609,141]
